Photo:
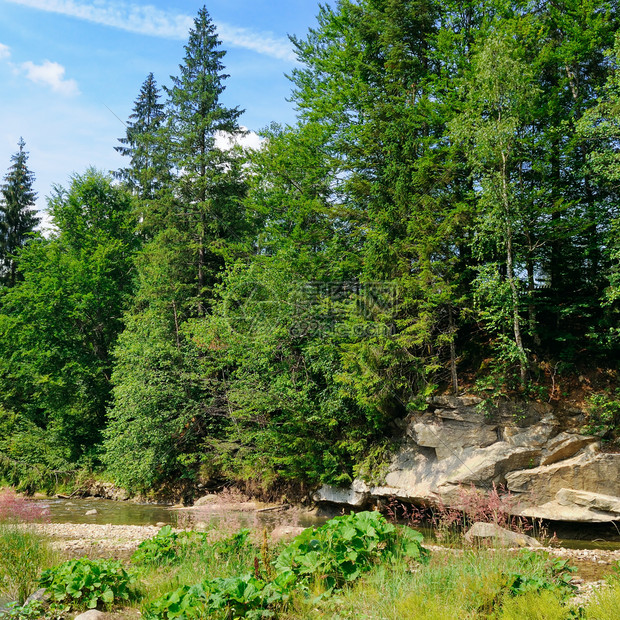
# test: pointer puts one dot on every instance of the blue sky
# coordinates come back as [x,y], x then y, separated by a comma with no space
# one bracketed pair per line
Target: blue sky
[63,63]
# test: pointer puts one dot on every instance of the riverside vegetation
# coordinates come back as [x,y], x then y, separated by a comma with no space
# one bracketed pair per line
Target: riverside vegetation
[443,215]
[355,566]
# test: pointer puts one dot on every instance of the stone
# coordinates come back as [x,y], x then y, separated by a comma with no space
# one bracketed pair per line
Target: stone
[449,435]
[532,449]
[108,490]
[455,402]
[587,499]
[587,471]
[39,596]
[286,532]
[88,513]
[535,436]
[565,446]
[205,500]
[356,496]
[91,614]
[491,532]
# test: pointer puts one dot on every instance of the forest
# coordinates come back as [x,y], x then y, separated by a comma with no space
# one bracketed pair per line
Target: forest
[442,218]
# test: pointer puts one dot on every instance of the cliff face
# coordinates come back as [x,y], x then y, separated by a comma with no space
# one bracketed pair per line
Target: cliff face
[534,451]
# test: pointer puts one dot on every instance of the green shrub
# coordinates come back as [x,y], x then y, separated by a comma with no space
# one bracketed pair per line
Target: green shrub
[161,549]
[603,415]
[86,583]
[35,610]
[234,597]
[345,547]
[169,548]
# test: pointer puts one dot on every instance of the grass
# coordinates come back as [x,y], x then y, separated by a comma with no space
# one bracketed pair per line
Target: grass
[469,585]
[466,584]
[23,553]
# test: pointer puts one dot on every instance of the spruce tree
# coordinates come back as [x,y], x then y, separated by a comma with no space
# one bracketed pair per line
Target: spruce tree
[148,169]
[209,186]
[17,218]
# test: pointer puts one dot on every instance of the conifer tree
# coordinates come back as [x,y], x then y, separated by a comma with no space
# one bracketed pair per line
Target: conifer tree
[17,218]
[148,169]
[209,185]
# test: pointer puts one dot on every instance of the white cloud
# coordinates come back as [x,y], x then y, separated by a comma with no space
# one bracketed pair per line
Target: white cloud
[5,51]
[52,74]
[248,140]
[149,20]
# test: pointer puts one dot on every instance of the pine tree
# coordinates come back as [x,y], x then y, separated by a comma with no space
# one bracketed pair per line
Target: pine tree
[17,218]
[148,169]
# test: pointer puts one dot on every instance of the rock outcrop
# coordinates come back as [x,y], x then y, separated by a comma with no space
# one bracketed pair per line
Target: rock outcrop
[533,452]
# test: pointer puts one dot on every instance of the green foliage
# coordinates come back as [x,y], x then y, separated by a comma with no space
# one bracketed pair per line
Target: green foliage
[603,415]
[17,216]
[160,550]
[23,553]
[88,584]
[233,597]
[59,323]
[333,555]
[35,610]
[345,547]
[168,548]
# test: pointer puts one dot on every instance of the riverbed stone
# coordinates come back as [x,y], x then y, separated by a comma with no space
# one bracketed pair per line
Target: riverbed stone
[496,535]
[90,513]
[286,532]
[91,614]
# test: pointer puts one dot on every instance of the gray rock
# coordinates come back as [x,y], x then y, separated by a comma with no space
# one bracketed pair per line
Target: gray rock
[448,435]
[285,532]
[88,513]
[588,471]
[39,595]
[91,614]
[491,532]
[565,446]
[526,447]
[356,496]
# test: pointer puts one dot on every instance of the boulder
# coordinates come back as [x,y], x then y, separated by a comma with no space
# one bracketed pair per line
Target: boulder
[91,614]
[89,513]
[356,495]
[108,490]
[285,532]
[39,596]
[496,535]
[587,499]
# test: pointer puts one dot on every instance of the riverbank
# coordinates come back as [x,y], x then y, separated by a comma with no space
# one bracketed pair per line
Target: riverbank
[120,541]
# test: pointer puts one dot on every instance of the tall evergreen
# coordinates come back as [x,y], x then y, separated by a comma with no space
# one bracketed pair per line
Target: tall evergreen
[208,187]
[148,169]
[17,217]
[162,408]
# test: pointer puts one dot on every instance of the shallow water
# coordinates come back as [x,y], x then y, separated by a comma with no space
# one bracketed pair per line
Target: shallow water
[570,535]
[228,516]
[108,512]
